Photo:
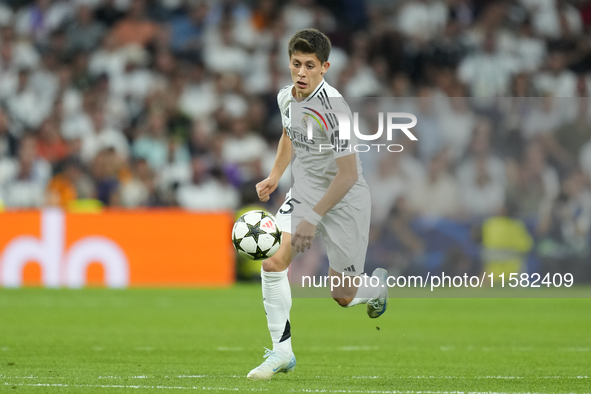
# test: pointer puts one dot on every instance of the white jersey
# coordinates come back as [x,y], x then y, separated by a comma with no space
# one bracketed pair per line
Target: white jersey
[315,165]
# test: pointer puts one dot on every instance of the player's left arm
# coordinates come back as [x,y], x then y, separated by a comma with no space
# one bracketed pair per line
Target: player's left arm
[343,181]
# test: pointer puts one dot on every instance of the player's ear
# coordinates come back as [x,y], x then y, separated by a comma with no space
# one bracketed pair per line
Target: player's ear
[325,67]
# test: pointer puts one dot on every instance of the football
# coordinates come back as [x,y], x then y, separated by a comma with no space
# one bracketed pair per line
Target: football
[256,235]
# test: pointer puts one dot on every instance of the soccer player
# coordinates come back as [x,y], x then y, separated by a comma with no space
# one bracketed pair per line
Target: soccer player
[329,196]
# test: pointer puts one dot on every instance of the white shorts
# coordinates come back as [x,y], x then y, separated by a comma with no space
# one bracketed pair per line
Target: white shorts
[345,230]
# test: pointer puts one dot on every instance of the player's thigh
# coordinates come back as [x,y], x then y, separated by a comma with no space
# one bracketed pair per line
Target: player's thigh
[281,260]
[292,211]
[346,234]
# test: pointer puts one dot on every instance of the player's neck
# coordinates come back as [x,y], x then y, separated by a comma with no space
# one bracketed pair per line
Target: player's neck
[299,96]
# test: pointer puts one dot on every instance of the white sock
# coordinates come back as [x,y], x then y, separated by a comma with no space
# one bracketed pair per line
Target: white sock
[365,293]
[277,303]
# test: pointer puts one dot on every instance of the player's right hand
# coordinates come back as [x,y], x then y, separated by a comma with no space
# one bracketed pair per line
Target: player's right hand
[265,188]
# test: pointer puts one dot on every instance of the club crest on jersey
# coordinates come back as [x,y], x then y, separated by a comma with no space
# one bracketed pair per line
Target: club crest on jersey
[305,121]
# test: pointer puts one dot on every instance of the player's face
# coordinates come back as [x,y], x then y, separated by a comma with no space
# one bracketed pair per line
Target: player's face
[306,72]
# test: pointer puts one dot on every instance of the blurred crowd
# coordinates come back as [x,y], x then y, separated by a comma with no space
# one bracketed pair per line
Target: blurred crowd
[487,182]
[139,103]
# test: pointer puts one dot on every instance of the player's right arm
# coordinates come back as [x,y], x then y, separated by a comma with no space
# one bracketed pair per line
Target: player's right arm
[282,160]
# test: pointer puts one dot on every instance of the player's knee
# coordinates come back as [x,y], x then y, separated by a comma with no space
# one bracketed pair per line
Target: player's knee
[342,301]
[273,264]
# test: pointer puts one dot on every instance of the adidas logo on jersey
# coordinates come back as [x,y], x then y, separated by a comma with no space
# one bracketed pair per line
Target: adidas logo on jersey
[350,269]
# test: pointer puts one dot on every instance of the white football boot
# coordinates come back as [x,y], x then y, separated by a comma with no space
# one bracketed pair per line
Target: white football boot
[275,362]
[377,306]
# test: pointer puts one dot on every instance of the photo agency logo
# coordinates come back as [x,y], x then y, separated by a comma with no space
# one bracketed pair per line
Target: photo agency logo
[331,129]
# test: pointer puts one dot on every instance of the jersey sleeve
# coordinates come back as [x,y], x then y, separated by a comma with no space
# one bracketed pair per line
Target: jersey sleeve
[283,101]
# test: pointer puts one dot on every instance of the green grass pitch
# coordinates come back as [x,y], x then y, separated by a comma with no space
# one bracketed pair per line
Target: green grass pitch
[109,341]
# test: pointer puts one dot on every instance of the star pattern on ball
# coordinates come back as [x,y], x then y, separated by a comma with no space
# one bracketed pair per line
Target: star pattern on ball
[259,254]
[276,236]
[236,243]
[254,231]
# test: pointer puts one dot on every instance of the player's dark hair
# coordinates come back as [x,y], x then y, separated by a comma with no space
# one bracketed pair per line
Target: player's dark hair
[310,41]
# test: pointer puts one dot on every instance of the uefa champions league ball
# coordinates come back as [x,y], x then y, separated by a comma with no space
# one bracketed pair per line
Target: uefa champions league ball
[256,235]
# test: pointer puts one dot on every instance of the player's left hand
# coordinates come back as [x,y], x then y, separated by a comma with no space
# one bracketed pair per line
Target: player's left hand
[303,237]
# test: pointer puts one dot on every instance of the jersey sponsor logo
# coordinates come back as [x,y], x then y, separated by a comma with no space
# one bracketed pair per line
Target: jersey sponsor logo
[299,140]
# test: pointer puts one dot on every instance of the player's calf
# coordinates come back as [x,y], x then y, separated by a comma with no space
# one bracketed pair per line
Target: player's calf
[342,288]
[349,291]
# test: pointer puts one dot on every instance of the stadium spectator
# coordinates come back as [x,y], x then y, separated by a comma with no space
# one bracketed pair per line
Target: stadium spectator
[566,141]
[556,19]
[69,185]
[481,165]
[396,245]
[135,28]
[264,14]
[457,122]
[530,49]
[207,190]
[437,195]
[50,144]
[25,106]
[198,96]
[488,71]
[7,141]
[224,53]
[108,14]
[557,81]
[450,46]
[429,129]
[106,168]
[505,243]
[482,195]
[563,230]
[585,159]
[245,149]
[85,33]
[422,20]
[532,183]
[40,18]
[187,30]
[23,179]
[107,59]
[102,136]
[391,178]
[135,82]
[154,146]
[139,189]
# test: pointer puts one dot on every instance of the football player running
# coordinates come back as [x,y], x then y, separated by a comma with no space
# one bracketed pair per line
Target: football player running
[329,196]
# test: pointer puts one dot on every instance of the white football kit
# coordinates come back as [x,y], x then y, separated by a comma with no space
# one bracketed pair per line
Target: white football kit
[345,228]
